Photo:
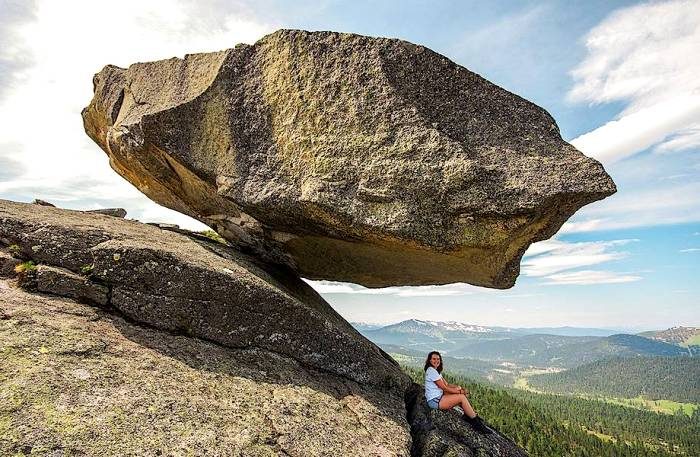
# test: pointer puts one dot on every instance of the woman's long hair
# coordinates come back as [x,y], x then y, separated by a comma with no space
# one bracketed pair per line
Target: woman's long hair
[427,361]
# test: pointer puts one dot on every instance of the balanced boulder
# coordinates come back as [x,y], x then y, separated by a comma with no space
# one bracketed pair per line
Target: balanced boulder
[345,157]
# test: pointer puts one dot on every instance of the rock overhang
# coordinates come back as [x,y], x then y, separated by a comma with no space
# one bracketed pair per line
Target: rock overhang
[349,158]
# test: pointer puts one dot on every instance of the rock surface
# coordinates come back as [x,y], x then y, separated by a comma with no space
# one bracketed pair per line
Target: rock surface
[444,433]
[38,201]
[65,283]
[252,363]
[75,380]
[114,212]
[7,264]
[344,157]
[193,286]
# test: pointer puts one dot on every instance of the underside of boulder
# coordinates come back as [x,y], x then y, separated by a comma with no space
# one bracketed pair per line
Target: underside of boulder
[344,157]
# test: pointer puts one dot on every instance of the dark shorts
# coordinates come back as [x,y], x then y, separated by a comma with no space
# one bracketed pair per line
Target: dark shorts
[434,402]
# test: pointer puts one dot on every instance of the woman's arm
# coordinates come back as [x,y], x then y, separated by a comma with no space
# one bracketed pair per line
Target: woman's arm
[449,388]
[462,390]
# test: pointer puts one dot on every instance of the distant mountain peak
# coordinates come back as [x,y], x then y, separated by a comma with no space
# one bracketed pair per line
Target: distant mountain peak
[440,326]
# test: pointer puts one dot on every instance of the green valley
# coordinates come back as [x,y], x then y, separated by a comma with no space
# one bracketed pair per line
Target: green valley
[557,425]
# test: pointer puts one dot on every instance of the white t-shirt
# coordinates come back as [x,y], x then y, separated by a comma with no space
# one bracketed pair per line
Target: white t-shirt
[431,389]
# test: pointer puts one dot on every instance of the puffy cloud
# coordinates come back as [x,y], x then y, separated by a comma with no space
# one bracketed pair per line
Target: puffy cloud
[639,130]
[682,140]
[10,167]
[644,56]
[674,203]
[585,277]
[554,256]
[14,57]
[333,287]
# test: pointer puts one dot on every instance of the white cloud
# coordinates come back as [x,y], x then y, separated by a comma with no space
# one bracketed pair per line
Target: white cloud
[589,225]
[690,250]
[585,277]
[541,247]
[561,256]
[518,296]
[677,176]
[643,55]
[330,287]
[683,140]
[94,194]
[65,45]
[675,203]
[642,129]
[456,289]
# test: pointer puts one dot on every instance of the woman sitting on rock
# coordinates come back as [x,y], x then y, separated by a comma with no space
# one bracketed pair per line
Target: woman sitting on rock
[441,395]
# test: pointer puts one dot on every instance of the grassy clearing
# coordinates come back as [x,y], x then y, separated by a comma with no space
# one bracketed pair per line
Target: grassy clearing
[692,341]
[659,406]
[212,235]
[521,383]
[601,436]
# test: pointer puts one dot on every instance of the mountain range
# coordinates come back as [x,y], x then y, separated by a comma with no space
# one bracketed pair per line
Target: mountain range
[559,347]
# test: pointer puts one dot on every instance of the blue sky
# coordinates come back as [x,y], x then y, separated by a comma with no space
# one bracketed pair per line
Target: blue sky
[620,78]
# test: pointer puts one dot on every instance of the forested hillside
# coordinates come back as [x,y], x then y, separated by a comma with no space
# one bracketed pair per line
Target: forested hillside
[568,351]
[554,426]
[670,378]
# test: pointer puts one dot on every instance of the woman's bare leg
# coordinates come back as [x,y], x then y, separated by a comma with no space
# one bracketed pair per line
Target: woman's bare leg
[449,400]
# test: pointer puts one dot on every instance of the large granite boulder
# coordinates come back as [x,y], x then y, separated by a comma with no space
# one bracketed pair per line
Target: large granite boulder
[344,157]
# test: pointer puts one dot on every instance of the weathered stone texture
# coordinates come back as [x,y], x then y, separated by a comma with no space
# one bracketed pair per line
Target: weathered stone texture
[115,212]
[350,158]
[7,265]
[438,433]
[75,380]
[193,286]
[281,372]
[59,281]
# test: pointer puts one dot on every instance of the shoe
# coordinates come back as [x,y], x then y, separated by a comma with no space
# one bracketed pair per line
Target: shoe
[478,424]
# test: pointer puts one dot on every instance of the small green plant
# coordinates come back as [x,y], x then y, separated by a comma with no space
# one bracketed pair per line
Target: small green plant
[25,267]
[87,269]
[15,250]
[212,235]
[26,275]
